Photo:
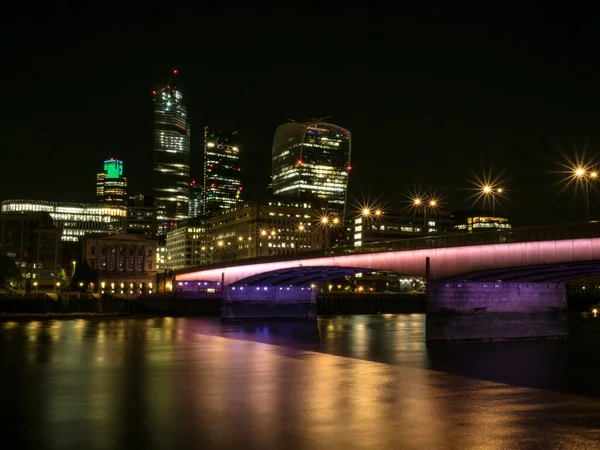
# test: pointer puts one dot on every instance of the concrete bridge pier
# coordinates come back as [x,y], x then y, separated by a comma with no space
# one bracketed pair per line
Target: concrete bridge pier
[269,302]
[469,311]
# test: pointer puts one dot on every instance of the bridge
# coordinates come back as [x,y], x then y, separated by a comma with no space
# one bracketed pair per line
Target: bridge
[500,271]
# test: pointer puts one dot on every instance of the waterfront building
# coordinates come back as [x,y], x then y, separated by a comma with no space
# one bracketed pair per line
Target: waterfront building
[222,186]
[312,158]
[124,263]
[171,156]
[34,244]
[189,244]
[378,225]
[74,220]
[111,185]
[474,221]
[276,226]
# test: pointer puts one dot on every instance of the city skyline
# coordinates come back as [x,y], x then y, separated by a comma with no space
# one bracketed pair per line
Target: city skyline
[465,97]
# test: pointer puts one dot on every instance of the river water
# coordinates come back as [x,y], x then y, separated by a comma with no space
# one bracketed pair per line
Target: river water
[344,382]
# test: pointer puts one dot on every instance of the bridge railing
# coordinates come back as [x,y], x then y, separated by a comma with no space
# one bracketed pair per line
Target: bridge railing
[541,233]
[545,233]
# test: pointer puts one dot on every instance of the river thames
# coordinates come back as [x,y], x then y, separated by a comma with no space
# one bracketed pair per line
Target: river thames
[348,382]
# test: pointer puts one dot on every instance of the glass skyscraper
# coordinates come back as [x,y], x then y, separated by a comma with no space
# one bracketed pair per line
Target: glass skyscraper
[111,185]
[171,156]
[222,185]
[312,158]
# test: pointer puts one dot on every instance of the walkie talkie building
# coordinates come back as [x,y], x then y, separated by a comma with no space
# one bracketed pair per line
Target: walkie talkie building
[312,158]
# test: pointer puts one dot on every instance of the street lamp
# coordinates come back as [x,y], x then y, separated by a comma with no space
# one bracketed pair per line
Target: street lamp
[585,175]
[418,203]
[35,285]
[328,222]
[489,190]
[431,204]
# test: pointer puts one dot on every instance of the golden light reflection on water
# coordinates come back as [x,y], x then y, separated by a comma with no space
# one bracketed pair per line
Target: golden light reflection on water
[176,385]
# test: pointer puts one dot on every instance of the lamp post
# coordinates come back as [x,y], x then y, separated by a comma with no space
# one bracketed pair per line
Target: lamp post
[301,231]
[324,221]
[585,176]
[491,191]
[432,204]
[416,204]
[265,233]
[328,222]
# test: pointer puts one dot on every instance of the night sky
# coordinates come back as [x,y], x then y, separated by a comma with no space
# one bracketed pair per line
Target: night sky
[430,96]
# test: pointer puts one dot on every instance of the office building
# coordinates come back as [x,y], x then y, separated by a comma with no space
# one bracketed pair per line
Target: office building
[277,226]
[196,199]
[189,244]
[378,225]
[141,215]
[171,156]
[74,220]
[111,185]
[474,221]
[312,158]
[125,263]
[222,185]
[34,244]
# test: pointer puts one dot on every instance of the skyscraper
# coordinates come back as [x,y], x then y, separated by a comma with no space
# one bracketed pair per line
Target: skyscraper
[111,185]
[171,156]
[196,199]
[222,186]
[312,158]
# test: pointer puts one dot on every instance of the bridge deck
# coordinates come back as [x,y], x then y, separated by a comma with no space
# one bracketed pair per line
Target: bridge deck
[530,234]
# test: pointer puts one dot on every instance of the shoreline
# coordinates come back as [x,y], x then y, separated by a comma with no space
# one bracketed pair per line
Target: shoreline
[28,316]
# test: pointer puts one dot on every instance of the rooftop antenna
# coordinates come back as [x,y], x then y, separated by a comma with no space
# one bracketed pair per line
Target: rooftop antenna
[320,119]
[173,75]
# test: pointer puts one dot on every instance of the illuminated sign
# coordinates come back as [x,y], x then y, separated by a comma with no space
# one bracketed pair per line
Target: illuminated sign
[113,168]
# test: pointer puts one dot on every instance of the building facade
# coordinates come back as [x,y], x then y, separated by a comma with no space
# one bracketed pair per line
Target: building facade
[171,156]
[377,225]
[276,226]
[189,244]
[73,219]
[196,199]
[473,221]
[111,185]
[312,158]
[141,215]
[35,245]
[222,184]
[125,263]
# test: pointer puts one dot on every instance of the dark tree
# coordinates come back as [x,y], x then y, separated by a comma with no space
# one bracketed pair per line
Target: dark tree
[82,274]
[9,273]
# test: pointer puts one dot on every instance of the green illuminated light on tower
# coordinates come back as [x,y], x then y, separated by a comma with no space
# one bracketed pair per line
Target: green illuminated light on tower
[113,168]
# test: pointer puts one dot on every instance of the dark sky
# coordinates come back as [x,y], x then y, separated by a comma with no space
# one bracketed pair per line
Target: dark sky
[429,95]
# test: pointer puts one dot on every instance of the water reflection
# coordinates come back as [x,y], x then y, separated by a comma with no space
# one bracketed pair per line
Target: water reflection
[354,382]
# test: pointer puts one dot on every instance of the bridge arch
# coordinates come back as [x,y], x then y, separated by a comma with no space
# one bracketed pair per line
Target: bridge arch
[300,276]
